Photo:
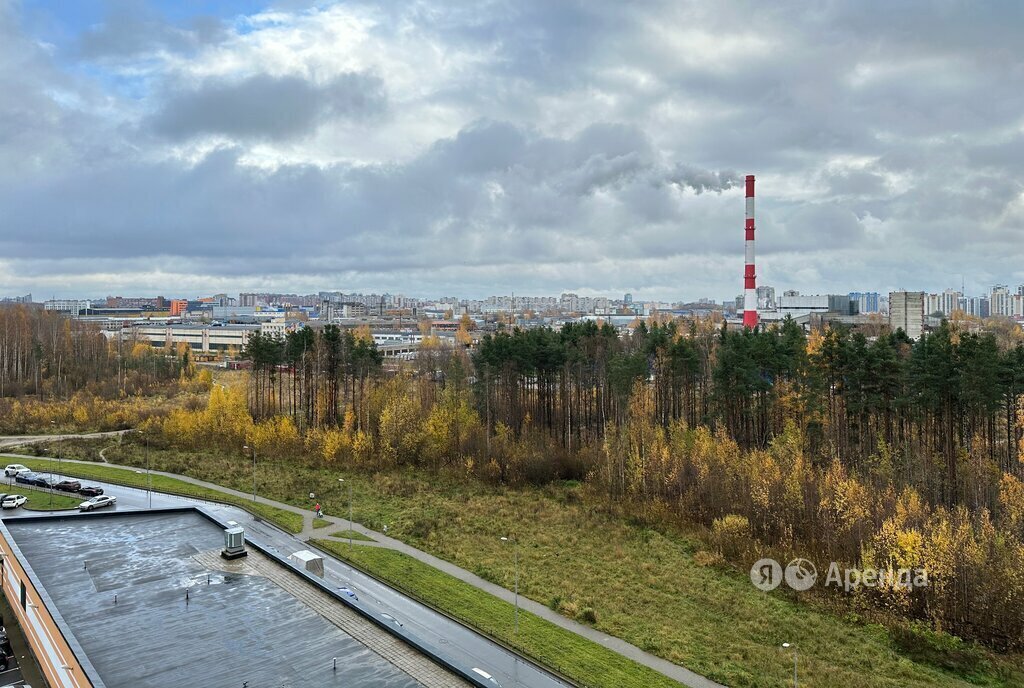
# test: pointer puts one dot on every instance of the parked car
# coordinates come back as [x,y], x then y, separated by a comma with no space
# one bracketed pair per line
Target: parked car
[97,502]
[47,481]
[90,491]
[391,619]
[68,486]
[12,501]
[28,478]
[14,469]
[485,676]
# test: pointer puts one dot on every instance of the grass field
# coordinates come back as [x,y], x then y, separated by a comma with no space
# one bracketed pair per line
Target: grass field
[284,519]
[42,500]
[321,523]
[586,662]
[653,588]
[345,534]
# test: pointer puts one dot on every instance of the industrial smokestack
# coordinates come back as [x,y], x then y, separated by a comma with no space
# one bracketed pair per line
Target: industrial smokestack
[749,274]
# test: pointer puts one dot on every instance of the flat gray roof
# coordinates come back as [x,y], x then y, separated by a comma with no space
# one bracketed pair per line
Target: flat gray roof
[234,629]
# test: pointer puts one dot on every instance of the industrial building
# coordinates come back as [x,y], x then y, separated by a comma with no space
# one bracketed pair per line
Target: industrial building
[199,338]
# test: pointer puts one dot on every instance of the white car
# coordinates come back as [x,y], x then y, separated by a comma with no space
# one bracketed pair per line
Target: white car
[12,501]
[485,676]
[14,469]
[97,502]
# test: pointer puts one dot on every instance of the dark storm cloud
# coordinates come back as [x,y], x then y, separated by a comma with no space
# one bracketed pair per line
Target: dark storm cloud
[268,107]
[493,181]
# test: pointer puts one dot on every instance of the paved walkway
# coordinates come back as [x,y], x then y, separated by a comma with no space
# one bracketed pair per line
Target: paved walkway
[14,440]
[663,666]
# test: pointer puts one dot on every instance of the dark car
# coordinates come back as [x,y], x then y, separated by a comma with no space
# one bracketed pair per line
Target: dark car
[90,491]
[68,486]
[29,478]
[47,481]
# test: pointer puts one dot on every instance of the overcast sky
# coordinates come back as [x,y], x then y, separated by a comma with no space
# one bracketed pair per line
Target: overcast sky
[476,148]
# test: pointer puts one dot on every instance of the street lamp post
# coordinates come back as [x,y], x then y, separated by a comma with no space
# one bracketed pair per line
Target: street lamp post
[787,646]
[253,471]
[515,558]
[342,480]
[149,476]
[54,424]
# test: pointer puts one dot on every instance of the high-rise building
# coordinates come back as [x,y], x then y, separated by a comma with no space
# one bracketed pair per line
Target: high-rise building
[978,306]
[999,300]
[627,298]
[867,302]
[766,298]
[906,312]
[949,301]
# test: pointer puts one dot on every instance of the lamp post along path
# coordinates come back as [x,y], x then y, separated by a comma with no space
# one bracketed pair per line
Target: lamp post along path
[149,475]
[253,450]
[342,480]
[515,559]
[54,424]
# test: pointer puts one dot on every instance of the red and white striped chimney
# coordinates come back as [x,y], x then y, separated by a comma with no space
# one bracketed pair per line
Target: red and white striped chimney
[749,275]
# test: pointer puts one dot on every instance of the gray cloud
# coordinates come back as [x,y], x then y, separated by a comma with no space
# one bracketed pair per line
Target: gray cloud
[134,28]
[268,107]
[568,146]
[703,180]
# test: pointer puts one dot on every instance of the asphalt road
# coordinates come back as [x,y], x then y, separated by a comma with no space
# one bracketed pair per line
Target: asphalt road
[450,637]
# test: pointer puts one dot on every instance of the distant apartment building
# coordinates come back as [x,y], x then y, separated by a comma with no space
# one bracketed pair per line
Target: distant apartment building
[944,304]
[978,306]
[27,298]
[949,301]
[906,312]
[178,307]
[1004,303]
[867,302]
[999,298]
[157,303]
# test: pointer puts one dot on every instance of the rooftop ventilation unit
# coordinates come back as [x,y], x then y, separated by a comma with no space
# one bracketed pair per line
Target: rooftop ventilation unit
[234,543]
[309,561]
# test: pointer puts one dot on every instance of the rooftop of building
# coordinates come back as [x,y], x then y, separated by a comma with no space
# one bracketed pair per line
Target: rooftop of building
[119,585]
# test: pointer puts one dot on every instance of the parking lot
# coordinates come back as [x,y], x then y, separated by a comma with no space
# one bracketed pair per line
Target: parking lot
[24,492]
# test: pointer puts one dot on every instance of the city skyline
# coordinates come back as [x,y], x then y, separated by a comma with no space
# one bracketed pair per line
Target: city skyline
[530,148]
